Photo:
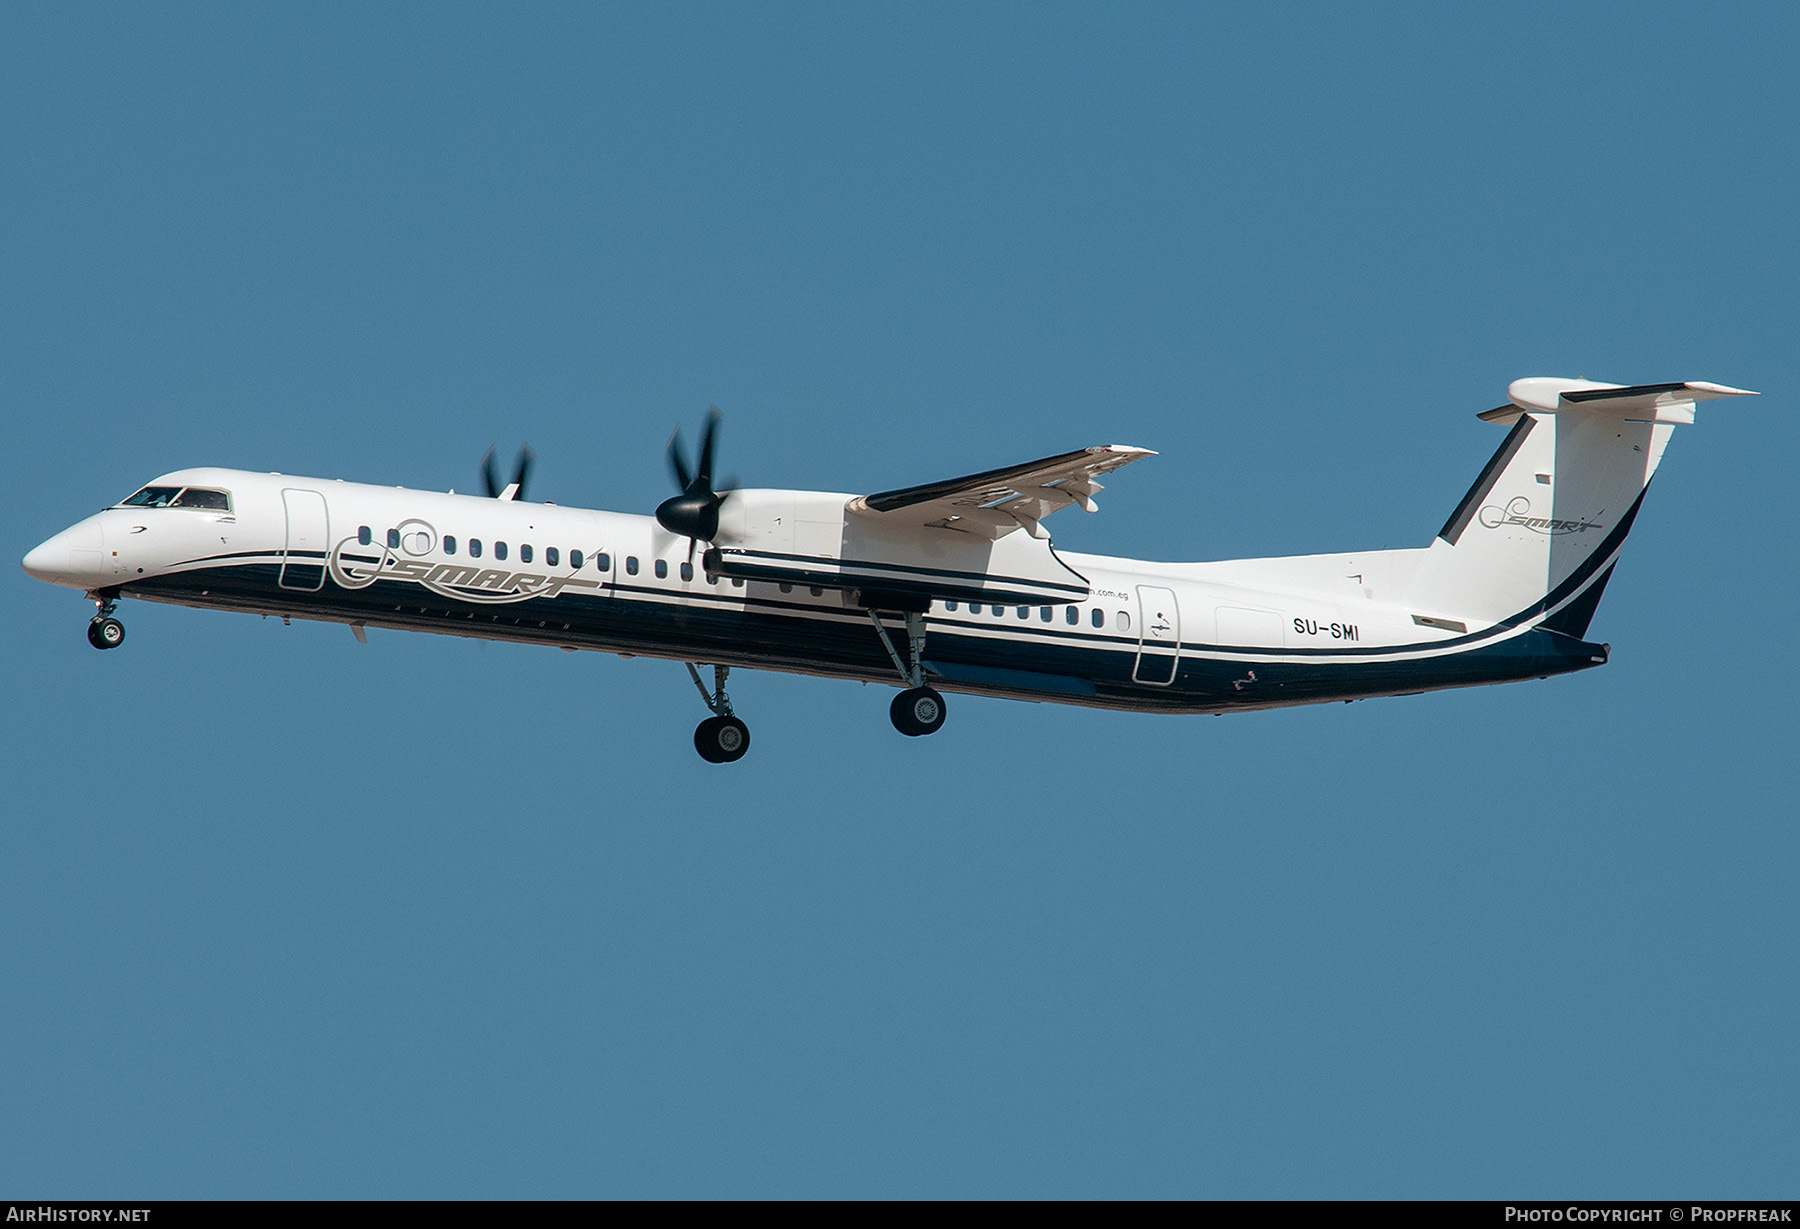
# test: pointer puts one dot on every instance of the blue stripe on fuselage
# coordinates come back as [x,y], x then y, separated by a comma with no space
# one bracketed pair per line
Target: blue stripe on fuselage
[735,628]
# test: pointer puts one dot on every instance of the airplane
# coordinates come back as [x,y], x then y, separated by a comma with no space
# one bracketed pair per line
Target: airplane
[950,586]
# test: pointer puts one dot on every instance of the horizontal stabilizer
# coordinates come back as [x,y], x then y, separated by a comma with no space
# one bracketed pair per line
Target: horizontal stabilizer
[1670,403]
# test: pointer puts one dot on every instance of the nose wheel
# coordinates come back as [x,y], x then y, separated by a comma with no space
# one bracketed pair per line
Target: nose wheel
[104,631]
[721,738]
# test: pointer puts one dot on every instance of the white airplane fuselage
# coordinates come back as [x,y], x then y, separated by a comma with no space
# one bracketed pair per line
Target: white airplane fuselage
[1197,638]
[951,586]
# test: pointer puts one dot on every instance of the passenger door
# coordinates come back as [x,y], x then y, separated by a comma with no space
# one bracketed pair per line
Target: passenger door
[303,558]
[1159,636]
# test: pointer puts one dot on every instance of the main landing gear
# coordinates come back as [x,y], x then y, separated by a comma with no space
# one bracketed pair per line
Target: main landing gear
[721,738]
[915,712]
[919,710]
[104,631]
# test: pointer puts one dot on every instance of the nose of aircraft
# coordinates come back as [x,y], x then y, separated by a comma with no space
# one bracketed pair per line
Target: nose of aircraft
[72,557]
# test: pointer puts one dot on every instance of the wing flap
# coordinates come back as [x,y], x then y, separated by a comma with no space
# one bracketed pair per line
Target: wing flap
[997,501]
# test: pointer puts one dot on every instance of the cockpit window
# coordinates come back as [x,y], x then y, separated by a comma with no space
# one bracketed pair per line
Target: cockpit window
[200,497]
[153,497]
[179,497]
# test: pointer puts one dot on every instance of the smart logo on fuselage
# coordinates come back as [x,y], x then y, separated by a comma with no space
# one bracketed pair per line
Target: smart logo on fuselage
[1518,512]
[351,568]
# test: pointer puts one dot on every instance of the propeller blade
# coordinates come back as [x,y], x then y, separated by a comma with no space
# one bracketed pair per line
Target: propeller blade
[683,479]
[708,437]
[694,513]
[490,477]
[522,471]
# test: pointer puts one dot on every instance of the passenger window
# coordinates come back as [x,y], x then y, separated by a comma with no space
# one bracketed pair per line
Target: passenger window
[499,550]
[1124,621]
[737,582]
[1099,619]
[786,588]
[1043,614]
[474,548]
[998,611]
[662,569]
[1024,612]
[196,497]
[364,535]
[712,578]
[950,606]
[603,561]
[449,544]
[551,556]
[815,591]
[574,558]
[631,565]
[1071,616]
[525,553]
[393,539]
[687,571]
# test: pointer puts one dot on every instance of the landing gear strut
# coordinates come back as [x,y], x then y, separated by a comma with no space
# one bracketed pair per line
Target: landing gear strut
[721,738]
[104,631]
[919,710]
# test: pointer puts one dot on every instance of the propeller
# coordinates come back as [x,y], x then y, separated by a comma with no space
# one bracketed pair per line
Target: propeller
[490,476]
[694,514]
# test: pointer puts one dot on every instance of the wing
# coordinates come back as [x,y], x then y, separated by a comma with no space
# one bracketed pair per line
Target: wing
[999,501]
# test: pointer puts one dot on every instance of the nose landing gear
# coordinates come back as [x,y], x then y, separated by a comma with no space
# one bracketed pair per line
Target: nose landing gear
[104,631]
[721,738]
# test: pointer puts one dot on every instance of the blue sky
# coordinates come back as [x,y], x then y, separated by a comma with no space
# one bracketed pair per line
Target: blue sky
[284,915]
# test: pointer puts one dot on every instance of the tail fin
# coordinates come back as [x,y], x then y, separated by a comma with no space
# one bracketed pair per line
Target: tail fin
[1539,532]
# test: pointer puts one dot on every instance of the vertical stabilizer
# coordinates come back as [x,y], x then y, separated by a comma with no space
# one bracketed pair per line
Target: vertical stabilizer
[1539,531]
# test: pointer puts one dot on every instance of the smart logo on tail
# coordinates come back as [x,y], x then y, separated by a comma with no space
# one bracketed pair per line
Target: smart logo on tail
[1518,512]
